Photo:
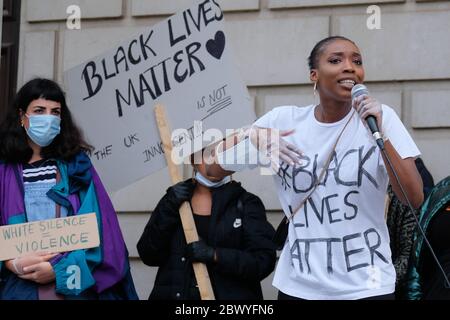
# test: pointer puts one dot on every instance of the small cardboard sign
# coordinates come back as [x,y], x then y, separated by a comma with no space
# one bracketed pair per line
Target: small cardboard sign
[54,235]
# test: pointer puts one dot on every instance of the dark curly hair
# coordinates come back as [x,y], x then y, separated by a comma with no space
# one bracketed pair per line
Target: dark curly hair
[313,58]
[14,146]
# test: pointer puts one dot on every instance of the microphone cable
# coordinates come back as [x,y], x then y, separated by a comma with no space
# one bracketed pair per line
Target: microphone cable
[358,90]
[422,232]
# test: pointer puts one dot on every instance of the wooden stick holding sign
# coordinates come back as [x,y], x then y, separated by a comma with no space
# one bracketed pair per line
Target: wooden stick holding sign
[187,219]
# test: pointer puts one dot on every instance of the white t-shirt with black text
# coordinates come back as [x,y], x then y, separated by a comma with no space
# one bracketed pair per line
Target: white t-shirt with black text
[338,243]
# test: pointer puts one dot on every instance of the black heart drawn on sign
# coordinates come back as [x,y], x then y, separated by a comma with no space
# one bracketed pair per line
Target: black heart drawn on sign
[216,46]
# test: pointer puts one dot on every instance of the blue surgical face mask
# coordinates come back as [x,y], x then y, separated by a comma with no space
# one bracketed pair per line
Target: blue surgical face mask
[43,128]
[211,184]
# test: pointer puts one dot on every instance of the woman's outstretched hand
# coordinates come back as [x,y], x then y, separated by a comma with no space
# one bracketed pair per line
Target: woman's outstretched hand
[270,143]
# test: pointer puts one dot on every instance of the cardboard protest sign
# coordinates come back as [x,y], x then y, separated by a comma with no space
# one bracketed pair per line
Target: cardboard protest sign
[54,235]
[183,63]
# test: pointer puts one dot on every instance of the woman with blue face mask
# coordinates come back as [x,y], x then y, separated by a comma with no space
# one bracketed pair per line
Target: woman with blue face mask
[235,240]
[45,173]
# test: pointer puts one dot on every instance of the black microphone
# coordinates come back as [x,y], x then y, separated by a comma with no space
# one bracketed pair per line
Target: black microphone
[359,90]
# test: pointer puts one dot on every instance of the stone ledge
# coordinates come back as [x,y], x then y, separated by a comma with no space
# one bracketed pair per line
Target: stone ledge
[431,0]
[407,46]
[55,10]
[141,8]
[430,109]
[274,51]
[281,4]
[39,55]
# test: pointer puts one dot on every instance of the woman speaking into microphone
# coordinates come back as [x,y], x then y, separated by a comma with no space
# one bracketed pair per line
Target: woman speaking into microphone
[331,179]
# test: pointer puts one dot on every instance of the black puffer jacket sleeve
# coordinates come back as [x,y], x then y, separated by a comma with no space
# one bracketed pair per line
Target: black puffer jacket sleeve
[154,245]
[257,257]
